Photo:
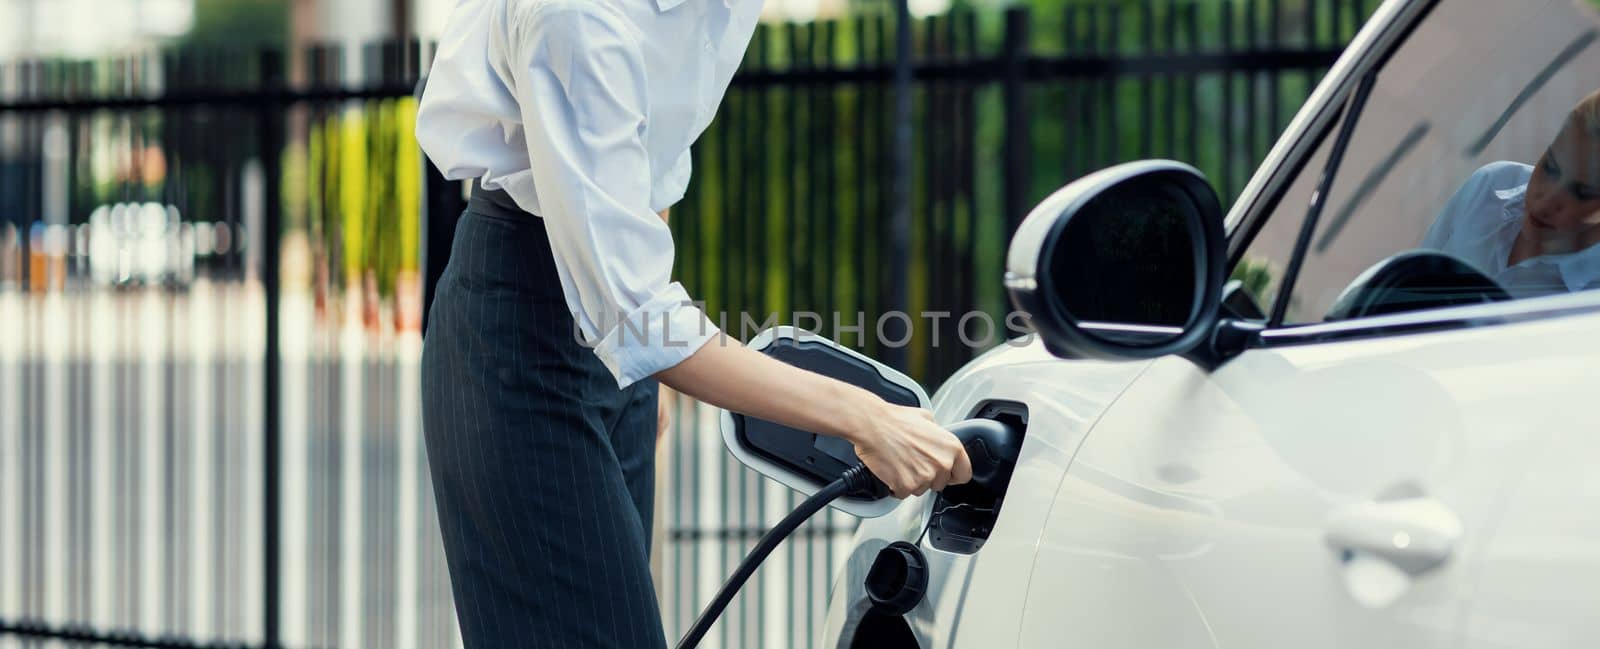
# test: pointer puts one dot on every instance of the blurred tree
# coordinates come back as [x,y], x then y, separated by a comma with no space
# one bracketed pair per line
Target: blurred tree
[242,23]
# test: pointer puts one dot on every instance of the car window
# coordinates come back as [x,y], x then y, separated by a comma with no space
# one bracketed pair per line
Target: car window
[1473,173]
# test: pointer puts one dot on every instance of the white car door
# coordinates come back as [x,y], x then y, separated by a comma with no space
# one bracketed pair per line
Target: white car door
[1295,496]
[1387,474]
[1536,585]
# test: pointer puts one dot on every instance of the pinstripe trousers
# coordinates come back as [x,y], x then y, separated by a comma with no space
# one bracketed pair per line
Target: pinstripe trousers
[543,471]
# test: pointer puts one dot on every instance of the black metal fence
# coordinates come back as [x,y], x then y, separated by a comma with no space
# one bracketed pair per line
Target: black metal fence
[209,436]
[792,208]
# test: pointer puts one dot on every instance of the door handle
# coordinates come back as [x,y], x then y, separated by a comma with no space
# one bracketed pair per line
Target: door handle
[1414,534]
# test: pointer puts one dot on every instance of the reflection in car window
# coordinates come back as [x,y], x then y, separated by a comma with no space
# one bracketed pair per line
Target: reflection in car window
[1481,140]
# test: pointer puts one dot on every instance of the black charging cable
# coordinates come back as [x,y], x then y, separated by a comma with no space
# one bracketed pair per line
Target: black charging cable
[991,445]
[856,480]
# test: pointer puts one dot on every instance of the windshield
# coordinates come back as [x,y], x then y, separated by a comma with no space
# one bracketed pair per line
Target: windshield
[1480,141]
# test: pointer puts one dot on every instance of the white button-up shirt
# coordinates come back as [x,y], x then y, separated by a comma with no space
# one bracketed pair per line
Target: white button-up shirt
[1481,222]
[583,111]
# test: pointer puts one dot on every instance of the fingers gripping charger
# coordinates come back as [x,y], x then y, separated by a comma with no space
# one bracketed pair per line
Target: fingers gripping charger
[826,467]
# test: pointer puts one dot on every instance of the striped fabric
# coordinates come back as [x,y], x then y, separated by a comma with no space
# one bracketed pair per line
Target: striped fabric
[543,470]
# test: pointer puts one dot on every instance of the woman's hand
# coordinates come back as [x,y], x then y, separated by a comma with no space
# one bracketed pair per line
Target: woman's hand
[909,452]
[902,446]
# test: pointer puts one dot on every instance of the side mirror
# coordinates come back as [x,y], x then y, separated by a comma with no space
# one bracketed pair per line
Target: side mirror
[804,461]
[1124,263]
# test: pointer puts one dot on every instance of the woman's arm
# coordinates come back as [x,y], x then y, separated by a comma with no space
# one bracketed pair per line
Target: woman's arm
[901,445]
[615,255]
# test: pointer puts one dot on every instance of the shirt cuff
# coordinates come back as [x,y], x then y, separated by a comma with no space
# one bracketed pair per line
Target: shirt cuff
[656,336]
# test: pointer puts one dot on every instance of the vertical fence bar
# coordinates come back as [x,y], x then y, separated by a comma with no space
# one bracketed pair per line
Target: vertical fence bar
[748,300]
[1227,143]
[28,71]
[1071,118]
[271,144]
[883,161]
[924,229]
[764,51]
[827,152]
[735,264]
[1112,47]
[900,194]
[1014,97]
[969,156]
[1172,81]
[864,286]
[946,354]
[1252,83]
[1311,42]
[1147,47]
[173,480]
[832,250]
[1192,135]
[1274,79]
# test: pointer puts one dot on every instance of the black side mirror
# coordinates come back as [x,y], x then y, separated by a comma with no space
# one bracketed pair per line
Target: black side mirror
[1124,263]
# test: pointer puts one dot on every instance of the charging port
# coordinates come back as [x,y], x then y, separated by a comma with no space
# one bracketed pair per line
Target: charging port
[964,515]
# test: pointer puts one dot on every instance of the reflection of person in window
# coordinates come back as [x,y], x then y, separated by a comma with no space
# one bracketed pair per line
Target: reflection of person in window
[1533,229]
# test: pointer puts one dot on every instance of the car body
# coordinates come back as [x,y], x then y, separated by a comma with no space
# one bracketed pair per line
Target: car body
[1419,478]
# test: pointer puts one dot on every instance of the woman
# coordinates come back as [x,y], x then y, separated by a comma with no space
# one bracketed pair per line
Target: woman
[576,118]
[1533,229]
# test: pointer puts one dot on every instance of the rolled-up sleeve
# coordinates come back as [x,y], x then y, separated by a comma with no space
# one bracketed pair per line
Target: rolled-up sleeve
[581,90]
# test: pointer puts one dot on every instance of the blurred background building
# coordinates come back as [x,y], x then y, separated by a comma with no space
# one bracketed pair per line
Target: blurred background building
[56,27]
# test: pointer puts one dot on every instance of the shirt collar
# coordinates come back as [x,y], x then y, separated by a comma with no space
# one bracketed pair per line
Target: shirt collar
[1578,269]
[1513,197]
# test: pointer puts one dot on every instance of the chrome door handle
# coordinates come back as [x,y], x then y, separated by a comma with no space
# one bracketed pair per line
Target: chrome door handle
[1414,534]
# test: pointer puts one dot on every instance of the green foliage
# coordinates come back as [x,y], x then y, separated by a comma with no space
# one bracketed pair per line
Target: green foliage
[1257,279]
[240,23]
[363,185]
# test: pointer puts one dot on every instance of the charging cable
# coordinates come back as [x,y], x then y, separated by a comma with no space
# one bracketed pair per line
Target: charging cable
[991,446]
[856,479]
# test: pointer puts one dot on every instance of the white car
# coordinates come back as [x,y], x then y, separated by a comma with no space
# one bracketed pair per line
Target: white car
[1385,434]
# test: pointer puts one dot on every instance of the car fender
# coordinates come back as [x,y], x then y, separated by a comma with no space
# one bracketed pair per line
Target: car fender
[980,596]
